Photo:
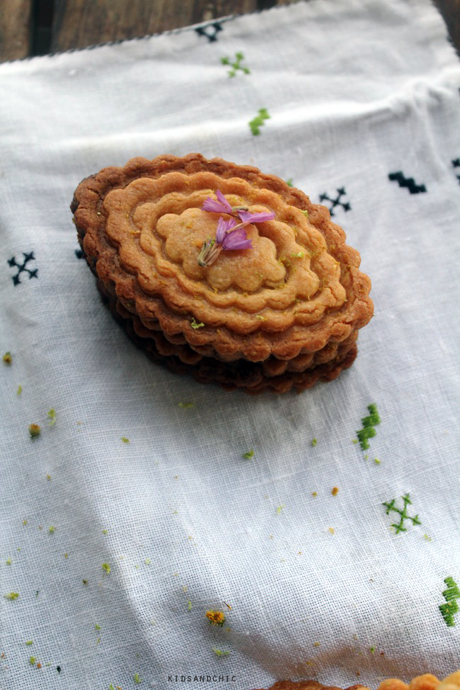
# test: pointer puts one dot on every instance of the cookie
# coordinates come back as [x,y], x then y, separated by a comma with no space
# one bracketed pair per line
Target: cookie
[424,682]
[223,262]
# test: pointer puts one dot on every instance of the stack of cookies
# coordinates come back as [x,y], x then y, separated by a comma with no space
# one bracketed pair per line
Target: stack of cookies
[224,273]
[424,682]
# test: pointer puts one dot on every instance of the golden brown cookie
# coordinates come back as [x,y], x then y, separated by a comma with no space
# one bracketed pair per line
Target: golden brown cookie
[288,301]
[308,685]
[251,377]
[424,682]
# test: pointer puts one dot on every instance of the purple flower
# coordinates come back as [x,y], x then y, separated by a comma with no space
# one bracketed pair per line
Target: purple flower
[248,217]
[226,238]
[223,226]
[220,206]
[230,235]
[236,240]
[229,238]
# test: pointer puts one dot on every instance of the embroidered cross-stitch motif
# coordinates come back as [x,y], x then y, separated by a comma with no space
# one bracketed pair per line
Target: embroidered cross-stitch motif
[408,182]
[450,607]
[368,423]
[456,164]
[22,268]
[258,121]
[390,506]
[212,34]
[337,201]
[235,65]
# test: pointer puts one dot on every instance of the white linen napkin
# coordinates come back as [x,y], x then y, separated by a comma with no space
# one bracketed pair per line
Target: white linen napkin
[364,104]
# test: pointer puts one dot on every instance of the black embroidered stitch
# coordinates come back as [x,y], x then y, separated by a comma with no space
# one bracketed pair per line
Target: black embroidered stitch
[22,268]
[456,164]
[337,201]
[79,254]
[202,31]
[408,182]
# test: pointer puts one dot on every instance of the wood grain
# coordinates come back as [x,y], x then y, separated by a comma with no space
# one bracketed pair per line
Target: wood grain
[79,23]
[450,10]
[15,29]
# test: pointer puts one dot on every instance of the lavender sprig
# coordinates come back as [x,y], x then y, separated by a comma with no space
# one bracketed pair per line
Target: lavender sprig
[230,236]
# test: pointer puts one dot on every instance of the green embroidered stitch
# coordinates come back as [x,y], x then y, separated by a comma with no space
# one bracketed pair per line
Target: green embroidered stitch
[290,182]
[368,430]
[390,506]
[185,405]
[137,679]
[258,121]
[450,607]
[236,65]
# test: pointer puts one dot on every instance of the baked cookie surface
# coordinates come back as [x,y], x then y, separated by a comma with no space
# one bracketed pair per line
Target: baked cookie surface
[427,681]
[295,292]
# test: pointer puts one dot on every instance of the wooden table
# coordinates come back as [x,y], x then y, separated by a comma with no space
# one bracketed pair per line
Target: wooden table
[36,27]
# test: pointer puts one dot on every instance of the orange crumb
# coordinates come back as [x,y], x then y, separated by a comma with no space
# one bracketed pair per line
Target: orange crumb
[335,491]
[39,665]
[315,493]
[215,617]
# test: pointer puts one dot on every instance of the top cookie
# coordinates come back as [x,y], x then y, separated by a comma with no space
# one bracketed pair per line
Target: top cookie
[294,290]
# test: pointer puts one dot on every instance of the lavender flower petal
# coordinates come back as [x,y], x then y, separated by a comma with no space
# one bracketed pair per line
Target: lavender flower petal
[223,201]
[220,206]
[248,217]
[236,240]
[223,226]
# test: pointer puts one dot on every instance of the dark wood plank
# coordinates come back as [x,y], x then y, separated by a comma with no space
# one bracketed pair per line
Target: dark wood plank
[80,23]
[15,29]
[450,10]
